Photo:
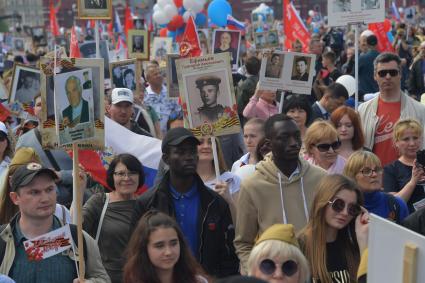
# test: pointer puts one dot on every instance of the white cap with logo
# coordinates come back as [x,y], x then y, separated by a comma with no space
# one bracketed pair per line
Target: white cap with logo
[121,94]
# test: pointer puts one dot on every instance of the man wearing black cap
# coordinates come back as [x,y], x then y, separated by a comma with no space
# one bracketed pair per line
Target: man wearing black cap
[209,90]
[33,189]
[202,214]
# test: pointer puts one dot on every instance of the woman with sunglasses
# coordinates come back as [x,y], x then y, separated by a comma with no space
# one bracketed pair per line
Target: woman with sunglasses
[322,147]
[276,257]
[158,253]
[107,217]
[365,169]
[329,240]
[348,125]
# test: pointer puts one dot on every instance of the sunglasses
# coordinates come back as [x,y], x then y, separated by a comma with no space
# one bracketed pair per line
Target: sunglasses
[384,73]
[369,171]
[268,267]
[338,206]
[324,147]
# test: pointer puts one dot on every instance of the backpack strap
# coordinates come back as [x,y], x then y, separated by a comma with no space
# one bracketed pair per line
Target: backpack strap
[394,207]
[74,234]
[2,243]
[102,215]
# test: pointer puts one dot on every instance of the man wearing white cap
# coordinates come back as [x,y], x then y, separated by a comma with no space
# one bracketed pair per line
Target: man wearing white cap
[120,109]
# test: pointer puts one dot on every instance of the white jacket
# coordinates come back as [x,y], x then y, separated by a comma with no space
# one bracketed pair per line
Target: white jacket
[410,108]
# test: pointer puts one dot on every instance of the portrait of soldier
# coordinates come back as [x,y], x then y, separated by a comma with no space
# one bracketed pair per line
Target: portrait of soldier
[138,44]
[301,73]
[78,109]
[209,90]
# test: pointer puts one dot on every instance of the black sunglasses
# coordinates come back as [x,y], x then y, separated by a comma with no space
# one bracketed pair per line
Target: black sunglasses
[392,72]
[324,147]
[338,206]
[268,267]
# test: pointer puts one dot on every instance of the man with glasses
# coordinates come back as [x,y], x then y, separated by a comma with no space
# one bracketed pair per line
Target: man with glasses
[281,189]
[381,113]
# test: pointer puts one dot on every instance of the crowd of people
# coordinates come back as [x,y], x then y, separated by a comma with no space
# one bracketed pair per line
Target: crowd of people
[289,202]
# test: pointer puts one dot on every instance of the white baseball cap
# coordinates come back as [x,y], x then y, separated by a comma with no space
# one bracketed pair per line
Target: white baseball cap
[121,94]
[3,128]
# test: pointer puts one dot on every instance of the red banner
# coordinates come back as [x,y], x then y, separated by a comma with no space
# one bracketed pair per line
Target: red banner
[54,27]
[294,27]
[74,50]
[380,30]
[189,46]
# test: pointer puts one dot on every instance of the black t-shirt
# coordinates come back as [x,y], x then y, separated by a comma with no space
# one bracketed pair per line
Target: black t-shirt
[396,176]
[336,263]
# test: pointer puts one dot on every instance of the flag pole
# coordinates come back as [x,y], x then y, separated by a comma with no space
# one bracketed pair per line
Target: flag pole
[215,155]
[96,27]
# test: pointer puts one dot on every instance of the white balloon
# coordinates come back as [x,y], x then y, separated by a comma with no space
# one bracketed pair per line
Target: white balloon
[311,13]
[163,3]
[160,17]
[197,7]
[348,82]
[187,14]
[189,4]
[156,7]
[400,10]
[170,11]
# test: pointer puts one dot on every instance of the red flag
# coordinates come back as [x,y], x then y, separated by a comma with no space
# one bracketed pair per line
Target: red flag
[189,45]
[4,112]
[74,50]
[54,27]
[384,44]
[294,26]
[128,24]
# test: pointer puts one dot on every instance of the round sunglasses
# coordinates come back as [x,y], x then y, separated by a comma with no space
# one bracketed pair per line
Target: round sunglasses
[268,267]
[338,206]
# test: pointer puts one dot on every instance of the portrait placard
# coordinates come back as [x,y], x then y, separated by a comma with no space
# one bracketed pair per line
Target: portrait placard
[138,44]
[344,12]
[25,85]
[288,71]
[227,41]
[266,39]
[126,74]
[18,44]
[207,94]
[95,9]
[88,50]
[172,81]
[160,48]
[74,106]
[65,68]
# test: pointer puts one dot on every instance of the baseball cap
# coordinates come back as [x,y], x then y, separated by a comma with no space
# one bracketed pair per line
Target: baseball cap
[121,94]
[26,173]
[176,136]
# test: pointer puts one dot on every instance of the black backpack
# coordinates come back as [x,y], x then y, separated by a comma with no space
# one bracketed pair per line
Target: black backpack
[74,235]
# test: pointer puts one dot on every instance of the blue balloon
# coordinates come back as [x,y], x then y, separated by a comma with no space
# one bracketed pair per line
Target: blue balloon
[182,10]
[218,11]
[171,34]
[200,19]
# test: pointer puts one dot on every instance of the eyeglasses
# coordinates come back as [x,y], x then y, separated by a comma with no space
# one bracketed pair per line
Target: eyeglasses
[123,175]
[338,206]
[369,171]
[392,72]
[324,147]
[268,267]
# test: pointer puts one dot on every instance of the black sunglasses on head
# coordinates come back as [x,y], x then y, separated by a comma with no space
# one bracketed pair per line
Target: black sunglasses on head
[338,206]
[384,73]
[324,147]
[268,267]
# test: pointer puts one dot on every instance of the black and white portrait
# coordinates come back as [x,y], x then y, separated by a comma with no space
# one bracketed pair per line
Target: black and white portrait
[341,6]
[25,85]
[19,44]
[138,44]
[95,4]
[274,66]
[300,68]
[124,74]
[94,9]
[139,24]
[370,4]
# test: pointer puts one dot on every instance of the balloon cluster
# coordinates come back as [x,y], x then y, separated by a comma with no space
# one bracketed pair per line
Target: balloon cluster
[172,15]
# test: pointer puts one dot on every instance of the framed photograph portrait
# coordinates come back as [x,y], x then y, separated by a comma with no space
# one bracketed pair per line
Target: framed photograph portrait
[160,48]
[300,68]
[90,83]
[138,44]
[126,74]
[207,93]
[204,36]
[25,85]
[271,73]
[227,41]
[139,24]
[172,80]
[19,44]
[74,109]
[343,12]
[94,9]
[88,50]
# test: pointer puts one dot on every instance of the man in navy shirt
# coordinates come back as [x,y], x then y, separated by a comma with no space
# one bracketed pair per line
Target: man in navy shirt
[203,215]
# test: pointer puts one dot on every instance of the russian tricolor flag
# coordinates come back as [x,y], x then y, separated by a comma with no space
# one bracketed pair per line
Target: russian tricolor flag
[119,139]
[234,24]
[395,13]
[117,23]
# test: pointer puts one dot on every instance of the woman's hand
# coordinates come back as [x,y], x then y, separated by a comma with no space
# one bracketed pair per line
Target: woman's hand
[362,229]
[418,173]
[222,188]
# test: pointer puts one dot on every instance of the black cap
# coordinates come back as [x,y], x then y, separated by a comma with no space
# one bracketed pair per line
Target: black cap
[176,136]
[26,173]
[207,80]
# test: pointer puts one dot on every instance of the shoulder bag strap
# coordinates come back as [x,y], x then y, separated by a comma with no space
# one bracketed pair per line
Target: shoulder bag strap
[99,226]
